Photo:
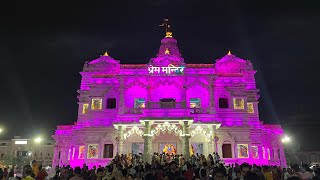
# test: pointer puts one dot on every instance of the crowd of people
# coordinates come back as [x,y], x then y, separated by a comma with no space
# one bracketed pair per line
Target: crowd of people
[168,167]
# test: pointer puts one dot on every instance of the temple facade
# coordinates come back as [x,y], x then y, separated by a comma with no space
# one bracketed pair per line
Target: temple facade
[168,106]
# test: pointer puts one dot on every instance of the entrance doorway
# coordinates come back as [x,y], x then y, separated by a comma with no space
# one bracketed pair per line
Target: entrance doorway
[196,148]
[168,103]
[226,151]
[137,148]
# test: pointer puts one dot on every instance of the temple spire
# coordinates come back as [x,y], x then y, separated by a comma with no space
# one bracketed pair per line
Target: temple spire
[167,27]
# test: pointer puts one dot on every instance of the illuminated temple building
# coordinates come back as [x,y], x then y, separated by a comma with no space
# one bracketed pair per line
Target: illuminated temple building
[168,106]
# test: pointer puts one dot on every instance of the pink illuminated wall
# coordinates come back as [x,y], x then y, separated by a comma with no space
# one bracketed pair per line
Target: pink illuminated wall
[229,77]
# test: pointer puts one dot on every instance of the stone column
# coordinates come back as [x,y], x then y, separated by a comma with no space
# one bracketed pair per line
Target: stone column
[275,155]
[120,139]
[216,139]
[56,158]
[211,104]
[185,140]
[283,161]
[147,142]
[205,148]
[184,96]
[121,97]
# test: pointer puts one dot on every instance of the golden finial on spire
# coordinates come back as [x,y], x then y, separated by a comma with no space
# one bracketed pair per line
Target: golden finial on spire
[229,52]
[167,51]
[166,24]
[106,54]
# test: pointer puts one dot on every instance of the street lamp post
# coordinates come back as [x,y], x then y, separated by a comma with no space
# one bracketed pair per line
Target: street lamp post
[37,141]
[286,140]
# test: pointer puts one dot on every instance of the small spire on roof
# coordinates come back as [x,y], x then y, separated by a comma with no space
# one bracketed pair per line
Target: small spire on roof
[167,51]
[229,52]
[106,54]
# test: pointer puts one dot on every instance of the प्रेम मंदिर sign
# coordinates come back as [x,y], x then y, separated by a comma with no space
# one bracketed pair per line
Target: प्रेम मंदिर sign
[168,70]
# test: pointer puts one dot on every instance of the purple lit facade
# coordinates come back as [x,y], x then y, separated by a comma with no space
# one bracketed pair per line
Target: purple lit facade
[168,106]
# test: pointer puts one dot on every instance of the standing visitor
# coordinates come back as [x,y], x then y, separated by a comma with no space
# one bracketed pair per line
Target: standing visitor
[267,173]
[42,174]
[306,172]
[35,168]
[287,173]
[27,172]
[11,175]
[189,172]
[296,171]
[77,174]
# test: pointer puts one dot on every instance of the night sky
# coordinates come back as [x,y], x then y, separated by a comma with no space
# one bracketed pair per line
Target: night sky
[44,44]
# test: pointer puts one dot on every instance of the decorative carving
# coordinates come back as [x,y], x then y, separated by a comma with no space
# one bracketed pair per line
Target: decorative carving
[136,82]
[167,81]
[166,127]
[133,130]
[196,82]
[199,130]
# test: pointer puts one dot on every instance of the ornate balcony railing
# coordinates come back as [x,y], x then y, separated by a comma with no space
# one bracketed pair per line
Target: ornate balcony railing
[199,110]
[133,110]
[165,105]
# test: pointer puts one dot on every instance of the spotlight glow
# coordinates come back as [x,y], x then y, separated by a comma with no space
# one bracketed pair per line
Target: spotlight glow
[38,140]
[286,139]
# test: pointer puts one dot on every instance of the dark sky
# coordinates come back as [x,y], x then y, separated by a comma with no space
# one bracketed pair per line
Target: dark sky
[44,44]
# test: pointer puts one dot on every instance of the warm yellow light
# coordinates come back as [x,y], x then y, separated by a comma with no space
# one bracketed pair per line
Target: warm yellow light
[106,54]
[238,103]
[286,139]
[250,107]
[38,140]
[168,34]
[167,51]
[143,105]
[229,52]
[193,105]
[85,108]
[96,104]
[1,130]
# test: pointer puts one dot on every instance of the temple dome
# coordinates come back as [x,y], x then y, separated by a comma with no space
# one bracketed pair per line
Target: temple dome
[232,64]
[104,63]
[169,53]
[169,44]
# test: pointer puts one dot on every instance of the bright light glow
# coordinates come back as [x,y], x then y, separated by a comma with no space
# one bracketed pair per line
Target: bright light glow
[21,142]
[85,108]
[195,103]
[96,104]
[167,51]
[139,103]
[200,130]
[250,107]
[166,127]
[1,130]
[238,103]
[38,140]
[286,139]
[29,153]
[133,130]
